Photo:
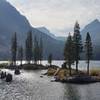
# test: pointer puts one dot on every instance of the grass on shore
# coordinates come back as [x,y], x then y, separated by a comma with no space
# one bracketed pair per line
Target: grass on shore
[64,73]
[95,72]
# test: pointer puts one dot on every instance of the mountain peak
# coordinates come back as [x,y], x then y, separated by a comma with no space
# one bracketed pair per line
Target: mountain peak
[96,21]
[94,24]
[43,29]
[46,31]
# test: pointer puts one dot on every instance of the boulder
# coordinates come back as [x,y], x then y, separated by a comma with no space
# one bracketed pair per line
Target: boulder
[17,72]
[3,75]
[9,78]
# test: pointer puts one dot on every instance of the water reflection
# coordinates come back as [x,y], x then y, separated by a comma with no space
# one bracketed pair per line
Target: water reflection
[30,86]
[71,92]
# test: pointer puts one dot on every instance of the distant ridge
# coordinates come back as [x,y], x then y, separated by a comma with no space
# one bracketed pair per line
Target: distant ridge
[94,29]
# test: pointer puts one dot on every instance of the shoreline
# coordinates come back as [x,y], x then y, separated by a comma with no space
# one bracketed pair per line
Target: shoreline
[81,78]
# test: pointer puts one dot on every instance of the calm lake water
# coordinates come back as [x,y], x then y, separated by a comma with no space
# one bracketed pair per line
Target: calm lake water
[29,86]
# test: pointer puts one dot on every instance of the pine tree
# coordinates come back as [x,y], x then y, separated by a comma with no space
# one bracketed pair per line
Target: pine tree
[20,54]
[41,50]
[77,44]
[50,59]
[14,49]
[26,50]
[69,53]
[36,50]
[29,47]
[88,50]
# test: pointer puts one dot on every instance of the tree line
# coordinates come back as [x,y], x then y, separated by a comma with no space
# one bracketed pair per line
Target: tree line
[74,47]
[72,51]
[33,49]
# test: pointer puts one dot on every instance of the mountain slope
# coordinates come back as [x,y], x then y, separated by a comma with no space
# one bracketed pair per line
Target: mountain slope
[12,21]
[46,31]
[50,45]
[94,29]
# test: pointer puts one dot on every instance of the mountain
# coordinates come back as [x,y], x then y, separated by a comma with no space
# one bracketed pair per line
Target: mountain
[12,21]
[94,29]
[46,31]
[50,45]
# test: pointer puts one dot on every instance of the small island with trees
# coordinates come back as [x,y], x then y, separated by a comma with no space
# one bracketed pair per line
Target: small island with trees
[72,54]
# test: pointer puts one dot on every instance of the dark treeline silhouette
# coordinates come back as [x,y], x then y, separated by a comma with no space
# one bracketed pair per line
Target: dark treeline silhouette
[29,47]
[88,50]
[38,50]
[14,49]
[20,54]
[33,50]
[77,44]
[69,53]
[74,48]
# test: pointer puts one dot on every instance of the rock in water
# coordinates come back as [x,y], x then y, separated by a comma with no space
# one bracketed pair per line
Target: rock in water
[17,72]
[8,78]
[3,75]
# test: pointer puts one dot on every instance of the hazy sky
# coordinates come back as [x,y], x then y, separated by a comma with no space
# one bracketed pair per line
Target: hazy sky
[58,16]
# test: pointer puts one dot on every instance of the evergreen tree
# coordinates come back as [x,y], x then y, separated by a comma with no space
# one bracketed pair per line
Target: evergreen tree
[41,50]
[26,50]
[88,50]
[14,49]
[36,50]
[69,53]
[20,54]
[77,44]
[29,47]
[50,59]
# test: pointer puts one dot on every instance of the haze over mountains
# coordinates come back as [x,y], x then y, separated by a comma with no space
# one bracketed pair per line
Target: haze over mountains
[46,31]
[12,21]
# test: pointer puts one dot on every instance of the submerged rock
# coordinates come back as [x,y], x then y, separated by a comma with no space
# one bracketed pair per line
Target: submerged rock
[9,78]
[41,76]
[17,72]
[3,75]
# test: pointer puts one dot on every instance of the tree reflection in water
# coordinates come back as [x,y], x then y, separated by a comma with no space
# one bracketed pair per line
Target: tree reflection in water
[71,92]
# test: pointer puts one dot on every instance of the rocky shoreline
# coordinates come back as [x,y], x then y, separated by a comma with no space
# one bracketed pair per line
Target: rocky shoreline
[61,75]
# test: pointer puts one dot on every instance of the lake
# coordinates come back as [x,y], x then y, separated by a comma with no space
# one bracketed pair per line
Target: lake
[29,86]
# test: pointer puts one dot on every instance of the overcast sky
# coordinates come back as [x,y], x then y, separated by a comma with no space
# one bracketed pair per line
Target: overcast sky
[58,16]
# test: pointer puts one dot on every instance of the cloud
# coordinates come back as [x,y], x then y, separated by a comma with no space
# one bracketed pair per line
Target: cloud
[58,15]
